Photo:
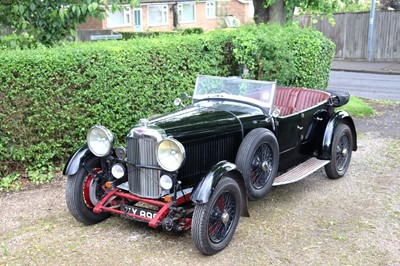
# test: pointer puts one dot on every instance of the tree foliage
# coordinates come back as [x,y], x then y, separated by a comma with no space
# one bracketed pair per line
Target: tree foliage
[390,4]
[356,6]
[50,21]
[282,11]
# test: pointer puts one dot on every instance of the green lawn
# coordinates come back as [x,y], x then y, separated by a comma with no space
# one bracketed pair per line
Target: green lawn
[357,107]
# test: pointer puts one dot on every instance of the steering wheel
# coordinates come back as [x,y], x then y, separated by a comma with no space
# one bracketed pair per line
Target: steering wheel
[218,90]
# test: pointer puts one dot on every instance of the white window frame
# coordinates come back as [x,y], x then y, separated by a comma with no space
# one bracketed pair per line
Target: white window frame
[250,9]
[127,19]
[211,10]
[140,13]
[180,11]
[164,15]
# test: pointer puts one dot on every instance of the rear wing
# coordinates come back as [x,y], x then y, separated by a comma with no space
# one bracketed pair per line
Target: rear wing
[339,98]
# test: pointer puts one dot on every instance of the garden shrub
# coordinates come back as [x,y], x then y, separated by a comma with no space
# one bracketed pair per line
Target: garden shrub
[126,35]
[290,55]
[313,54]
[192,31]
[50,97]
[14,41]
[264,51]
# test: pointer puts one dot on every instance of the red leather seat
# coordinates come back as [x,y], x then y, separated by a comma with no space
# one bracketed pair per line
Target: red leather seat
[285,110]
[286,96]
[308,98]
[285,100]
[291,100]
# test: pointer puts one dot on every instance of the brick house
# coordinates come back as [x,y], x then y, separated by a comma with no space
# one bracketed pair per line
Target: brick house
[165,15]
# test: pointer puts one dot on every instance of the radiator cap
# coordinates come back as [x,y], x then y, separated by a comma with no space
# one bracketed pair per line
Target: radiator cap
[144,122]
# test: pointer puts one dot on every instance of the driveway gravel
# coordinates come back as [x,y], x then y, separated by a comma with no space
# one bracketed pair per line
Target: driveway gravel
[317,221]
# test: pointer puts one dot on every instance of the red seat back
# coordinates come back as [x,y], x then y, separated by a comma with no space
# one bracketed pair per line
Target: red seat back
[291,100]
[308,98]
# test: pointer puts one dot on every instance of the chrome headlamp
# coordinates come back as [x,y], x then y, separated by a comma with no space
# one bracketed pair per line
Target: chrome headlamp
[166,182]
[118,170]
[170,154]
[100,140]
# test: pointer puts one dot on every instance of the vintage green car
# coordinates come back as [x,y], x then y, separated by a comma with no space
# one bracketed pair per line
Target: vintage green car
[197,166]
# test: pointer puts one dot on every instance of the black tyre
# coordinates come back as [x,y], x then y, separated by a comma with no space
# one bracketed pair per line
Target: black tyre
[258,160]
[215,222]
[83,192]
[342,146]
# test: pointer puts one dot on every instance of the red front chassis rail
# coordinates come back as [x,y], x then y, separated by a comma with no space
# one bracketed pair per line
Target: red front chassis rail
[155,222]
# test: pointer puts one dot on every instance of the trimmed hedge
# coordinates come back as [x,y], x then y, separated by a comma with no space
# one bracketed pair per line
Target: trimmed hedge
[265,52]
[126,35]
[51,97]
[313,54]
[14,41]
[289,55]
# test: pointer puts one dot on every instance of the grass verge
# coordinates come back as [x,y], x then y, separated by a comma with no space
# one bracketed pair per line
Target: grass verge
[357,107]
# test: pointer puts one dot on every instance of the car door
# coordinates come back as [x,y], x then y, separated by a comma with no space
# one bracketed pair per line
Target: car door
[289,132]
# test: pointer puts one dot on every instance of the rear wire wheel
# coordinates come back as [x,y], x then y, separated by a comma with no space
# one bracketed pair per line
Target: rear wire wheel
[258,159]
[342,146]
[83,191]
[214,223]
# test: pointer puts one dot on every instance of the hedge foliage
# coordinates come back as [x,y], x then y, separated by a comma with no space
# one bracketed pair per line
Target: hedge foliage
[49,98]
[289,55]
[14,41]
[126,35]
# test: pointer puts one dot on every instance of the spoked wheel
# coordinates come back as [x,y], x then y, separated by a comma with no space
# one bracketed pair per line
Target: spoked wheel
[215,222]
[258,159]
[261,166]
[342,147]
[83,192]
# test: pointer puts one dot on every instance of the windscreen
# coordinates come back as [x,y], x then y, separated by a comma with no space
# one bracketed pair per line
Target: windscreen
[252,91]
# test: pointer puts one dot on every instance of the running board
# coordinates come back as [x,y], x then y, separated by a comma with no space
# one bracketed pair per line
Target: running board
[299,172]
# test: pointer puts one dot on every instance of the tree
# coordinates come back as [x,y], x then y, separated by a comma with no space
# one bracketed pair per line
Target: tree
[50,21]
[281,11]
[387,4]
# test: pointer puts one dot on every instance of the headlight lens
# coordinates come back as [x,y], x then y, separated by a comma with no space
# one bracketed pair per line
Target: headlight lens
[118,170]
[166,182]
[170,154]
[100,140]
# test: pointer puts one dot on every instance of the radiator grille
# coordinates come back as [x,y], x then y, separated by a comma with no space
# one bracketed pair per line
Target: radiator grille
[204,154]
[143,182]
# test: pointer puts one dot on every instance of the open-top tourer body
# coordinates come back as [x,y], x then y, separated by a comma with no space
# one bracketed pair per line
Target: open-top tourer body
[197,166]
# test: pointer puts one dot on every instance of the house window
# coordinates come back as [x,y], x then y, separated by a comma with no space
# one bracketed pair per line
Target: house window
[157,15]
[119,18]
[186,12]
[210,9]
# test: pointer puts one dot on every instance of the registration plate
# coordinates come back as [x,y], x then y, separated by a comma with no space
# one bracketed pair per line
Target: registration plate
[141,212]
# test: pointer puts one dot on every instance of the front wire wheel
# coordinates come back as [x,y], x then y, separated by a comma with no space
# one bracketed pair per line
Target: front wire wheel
[215,222]
[258,159]
[342,146]
[83,191]
[261,166]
